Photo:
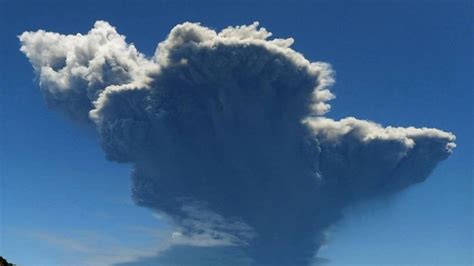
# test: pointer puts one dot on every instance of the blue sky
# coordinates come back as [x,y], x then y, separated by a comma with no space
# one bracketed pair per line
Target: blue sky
[397,62]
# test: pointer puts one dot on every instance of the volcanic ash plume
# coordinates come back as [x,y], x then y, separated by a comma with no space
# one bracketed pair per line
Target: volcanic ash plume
[226,134]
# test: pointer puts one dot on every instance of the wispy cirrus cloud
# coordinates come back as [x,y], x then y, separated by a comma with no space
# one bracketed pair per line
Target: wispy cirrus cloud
[98,249]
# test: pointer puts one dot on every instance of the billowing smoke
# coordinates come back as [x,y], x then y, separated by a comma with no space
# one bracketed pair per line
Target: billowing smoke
[226,134]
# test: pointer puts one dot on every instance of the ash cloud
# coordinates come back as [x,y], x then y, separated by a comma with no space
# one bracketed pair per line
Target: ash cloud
[227,135]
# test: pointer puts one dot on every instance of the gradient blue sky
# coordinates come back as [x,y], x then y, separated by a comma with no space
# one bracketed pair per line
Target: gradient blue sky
[398,63]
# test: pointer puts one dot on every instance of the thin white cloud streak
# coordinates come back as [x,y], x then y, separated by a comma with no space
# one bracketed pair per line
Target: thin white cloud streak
[97,249]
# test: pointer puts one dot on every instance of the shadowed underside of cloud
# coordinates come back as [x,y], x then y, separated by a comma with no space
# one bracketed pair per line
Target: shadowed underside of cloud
[226,134]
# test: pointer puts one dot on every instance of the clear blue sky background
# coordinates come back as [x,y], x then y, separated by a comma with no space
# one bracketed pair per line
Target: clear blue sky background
[398,63]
